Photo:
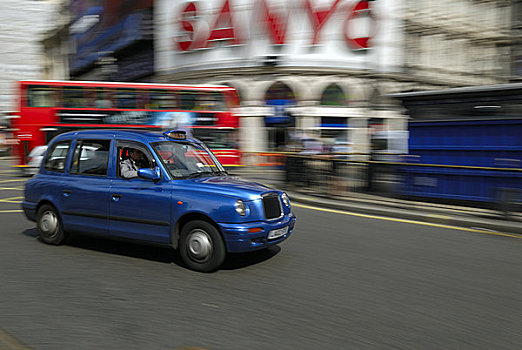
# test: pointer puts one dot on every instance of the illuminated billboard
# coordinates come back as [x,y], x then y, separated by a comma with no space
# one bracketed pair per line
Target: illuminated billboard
[103,28]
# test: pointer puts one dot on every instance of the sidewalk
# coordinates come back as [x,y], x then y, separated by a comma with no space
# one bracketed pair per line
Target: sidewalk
[373,204]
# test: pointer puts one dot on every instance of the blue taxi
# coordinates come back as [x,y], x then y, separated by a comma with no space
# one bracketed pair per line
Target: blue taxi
[153,187]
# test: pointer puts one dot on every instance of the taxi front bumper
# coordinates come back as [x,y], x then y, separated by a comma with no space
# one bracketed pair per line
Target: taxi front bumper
[238,238]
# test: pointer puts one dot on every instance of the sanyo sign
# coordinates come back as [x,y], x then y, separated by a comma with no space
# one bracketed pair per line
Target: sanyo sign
[296,30]
[197,35]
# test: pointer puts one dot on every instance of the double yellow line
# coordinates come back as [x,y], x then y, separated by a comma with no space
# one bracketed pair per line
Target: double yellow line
[415,222]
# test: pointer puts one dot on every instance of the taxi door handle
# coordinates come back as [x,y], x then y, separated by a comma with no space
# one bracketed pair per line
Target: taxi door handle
[66,193]
[116,197]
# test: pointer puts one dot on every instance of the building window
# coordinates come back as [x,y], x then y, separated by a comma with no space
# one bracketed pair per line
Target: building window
[279,96]
[333,95]
[279,91]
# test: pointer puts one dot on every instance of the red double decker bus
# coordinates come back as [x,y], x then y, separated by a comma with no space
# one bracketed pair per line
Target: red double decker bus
[48,108]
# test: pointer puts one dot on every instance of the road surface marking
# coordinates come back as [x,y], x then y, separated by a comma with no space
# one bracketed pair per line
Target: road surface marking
[211,305]
[12,180]
[11,188]
[8,342]
[11,199]
[11,211]
[439,217]
[407,221]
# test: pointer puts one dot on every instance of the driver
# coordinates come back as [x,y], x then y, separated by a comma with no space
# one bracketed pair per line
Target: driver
[129,167]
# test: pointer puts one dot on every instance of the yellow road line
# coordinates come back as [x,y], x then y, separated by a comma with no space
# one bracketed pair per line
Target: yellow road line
[8,342]
[406,221]
[11,211]
[1,181]
[11,188]
[12,199]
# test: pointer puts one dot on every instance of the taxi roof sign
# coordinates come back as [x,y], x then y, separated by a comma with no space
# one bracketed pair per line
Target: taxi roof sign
[176,134]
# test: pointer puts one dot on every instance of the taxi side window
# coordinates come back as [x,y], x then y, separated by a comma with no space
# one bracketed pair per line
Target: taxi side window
[132,156]
[91,157]
[57,156]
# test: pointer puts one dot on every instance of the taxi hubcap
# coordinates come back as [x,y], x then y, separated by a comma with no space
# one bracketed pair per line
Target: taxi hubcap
[49,223]
[199,245]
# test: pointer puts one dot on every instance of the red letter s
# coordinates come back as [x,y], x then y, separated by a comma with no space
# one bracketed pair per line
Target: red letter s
[188,16]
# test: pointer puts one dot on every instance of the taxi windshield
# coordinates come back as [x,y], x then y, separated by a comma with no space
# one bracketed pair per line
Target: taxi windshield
[188,160]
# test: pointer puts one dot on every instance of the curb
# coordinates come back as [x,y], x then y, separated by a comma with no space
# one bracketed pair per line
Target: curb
[412,214]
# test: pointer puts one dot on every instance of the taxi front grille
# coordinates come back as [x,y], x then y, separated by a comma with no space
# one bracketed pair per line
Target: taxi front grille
[272,206]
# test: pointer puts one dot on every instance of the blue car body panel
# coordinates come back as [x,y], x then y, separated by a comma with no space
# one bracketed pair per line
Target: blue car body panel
[143,211]
[149,211]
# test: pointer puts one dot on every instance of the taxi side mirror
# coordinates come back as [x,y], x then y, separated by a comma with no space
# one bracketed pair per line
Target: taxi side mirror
[149,174]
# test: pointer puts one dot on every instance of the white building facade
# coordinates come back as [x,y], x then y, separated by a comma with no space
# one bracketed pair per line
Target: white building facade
[453,43]
[311,66]
[22,22]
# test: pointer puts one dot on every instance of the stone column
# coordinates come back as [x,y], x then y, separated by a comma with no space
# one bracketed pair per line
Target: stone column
[252,131]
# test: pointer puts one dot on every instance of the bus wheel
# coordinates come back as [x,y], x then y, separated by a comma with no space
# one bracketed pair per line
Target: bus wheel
[49,225]
[201,246]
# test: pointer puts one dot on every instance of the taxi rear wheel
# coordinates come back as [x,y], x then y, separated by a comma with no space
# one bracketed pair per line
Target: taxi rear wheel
[49,225]
[201,246]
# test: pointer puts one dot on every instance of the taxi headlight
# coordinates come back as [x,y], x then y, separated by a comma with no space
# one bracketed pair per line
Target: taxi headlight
[286,199]
[240,207]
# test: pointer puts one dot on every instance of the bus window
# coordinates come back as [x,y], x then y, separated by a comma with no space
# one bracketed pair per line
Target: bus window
[126,98]
[216,138]
[40,96]
[219,101]
[163,99]
[142,97]
[213,101]
[188,100]
[73,97]
[99,98]
[90,98]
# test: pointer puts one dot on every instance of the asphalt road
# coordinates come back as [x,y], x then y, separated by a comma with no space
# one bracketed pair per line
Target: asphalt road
[340,282]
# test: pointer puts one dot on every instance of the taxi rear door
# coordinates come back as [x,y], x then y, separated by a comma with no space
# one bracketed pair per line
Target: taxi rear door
[85,192]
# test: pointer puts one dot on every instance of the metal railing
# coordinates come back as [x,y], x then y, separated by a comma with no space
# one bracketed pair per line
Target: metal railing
[349,173]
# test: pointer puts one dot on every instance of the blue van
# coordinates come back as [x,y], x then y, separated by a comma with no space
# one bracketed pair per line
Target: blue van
[153,187]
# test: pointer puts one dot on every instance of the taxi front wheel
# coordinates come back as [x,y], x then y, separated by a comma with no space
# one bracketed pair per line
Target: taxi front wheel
[201,246]
[49,225]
